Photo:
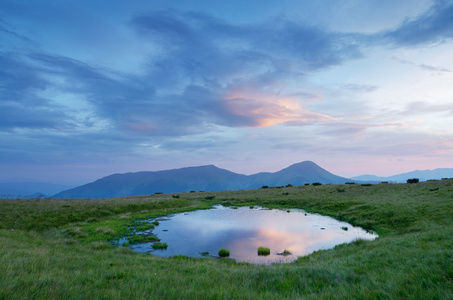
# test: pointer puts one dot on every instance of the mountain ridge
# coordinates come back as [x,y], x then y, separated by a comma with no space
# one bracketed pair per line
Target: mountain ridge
[206,178]
[422,175]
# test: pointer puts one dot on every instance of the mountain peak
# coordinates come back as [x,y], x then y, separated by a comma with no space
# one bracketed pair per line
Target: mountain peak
[304,165]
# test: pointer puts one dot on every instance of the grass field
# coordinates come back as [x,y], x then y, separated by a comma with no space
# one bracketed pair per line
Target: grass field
[58,249]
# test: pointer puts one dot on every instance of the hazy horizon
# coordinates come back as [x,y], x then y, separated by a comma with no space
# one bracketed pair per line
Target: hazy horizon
[92,88]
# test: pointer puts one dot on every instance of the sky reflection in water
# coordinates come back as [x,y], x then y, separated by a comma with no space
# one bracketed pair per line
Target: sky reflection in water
[243,230]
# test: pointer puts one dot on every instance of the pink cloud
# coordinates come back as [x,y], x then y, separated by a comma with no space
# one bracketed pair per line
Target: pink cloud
[269,106]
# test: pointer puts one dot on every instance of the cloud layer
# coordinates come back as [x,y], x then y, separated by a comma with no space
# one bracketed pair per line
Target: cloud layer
[137,84]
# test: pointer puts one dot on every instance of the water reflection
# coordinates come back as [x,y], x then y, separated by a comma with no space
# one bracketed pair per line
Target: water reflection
[243,230]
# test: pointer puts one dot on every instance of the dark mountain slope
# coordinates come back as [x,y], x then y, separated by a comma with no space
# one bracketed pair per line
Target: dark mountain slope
[208,178]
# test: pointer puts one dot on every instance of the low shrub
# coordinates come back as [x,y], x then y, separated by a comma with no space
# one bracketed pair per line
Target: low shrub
[316,183]
[413,180]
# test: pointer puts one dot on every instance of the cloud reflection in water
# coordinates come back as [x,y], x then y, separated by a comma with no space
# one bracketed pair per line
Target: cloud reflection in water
[243,230]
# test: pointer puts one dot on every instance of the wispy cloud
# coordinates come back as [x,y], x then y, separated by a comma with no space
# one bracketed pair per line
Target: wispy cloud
[437,70]
[423,108]
[359,87]
[434,26]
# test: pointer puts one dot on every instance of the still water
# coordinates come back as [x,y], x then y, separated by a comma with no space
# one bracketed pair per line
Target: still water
[244,229]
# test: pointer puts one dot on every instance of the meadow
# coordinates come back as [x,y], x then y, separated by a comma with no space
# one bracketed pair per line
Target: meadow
[60,249]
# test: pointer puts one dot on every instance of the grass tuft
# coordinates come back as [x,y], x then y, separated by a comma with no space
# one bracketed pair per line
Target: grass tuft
[160,246]
[224,252]
[286,252]
[141,238]
[264,251]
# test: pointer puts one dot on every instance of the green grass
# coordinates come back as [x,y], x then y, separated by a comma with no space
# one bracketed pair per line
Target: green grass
[59,249]
[264,251]
[143,226]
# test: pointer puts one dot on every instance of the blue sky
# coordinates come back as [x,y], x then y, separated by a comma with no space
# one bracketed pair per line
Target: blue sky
[90,88]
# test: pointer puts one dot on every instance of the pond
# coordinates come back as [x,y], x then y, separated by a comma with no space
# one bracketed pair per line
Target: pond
[242,230]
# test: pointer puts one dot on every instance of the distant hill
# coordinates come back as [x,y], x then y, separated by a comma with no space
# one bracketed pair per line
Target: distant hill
[423,175]
[205,178]
[29,189]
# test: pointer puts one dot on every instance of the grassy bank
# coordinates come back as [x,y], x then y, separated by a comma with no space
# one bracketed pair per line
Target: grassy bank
[58,249]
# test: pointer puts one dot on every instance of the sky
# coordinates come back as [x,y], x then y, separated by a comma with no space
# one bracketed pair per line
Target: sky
[94,87]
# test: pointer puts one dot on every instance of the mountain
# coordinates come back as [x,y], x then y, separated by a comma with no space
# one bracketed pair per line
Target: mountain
[205,178]
[297,174]
[422,175]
